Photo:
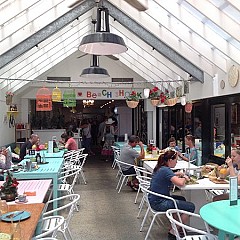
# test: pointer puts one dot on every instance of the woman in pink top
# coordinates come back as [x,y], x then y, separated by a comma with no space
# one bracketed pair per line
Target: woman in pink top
[70,143]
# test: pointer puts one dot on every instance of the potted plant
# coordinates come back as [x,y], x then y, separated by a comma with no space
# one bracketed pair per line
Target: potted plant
[154,96]
[133,99]
[9,187]
[9,97]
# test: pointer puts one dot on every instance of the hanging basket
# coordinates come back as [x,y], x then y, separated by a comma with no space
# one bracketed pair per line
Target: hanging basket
[171,101]
[56,95]
[132,104]
[43,100]
[188,107]
[9,99]
[155,101]
[69,98]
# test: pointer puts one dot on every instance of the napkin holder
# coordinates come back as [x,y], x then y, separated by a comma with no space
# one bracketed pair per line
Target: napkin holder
[50,146]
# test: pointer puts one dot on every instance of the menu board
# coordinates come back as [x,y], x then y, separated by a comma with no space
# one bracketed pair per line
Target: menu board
[233,194]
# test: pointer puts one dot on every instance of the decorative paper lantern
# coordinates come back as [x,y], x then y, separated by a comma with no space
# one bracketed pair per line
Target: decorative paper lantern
[146,92]
[188,107]
[43,100]
[56,95]
[69,98]
[183,100]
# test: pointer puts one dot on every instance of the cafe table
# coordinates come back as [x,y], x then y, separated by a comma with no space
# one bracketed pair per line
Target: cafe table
[51,170]
[36,190]
[223,217]
[27,226]
[150,165]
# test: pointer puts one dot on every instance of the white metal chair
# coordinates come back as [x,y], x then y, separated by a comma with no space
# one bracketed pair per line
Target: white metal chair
[155,213]
[187,232]
[56,223]
[81,161]
[143,176]
[123,177]
[116,153]
[210,193]
[68,210]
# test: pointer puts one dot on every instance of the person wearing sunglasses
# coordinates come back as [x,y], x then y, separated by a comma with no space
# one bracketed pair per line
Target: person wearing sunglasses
[162,180]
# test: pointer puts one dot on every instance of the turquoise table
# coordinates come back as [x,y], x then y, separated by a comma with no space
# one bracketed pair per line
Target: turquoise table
[48,155]
[50,170]
[120,145]
[224,217]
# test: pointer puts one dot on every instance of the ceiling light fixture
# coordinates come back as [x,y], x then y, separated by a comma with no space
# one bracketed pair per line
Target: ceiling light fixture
[94,71]
[102,42]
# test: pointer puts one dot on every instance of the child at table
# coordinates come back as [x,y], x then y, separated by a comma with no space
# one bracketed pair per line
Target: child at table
[233,169]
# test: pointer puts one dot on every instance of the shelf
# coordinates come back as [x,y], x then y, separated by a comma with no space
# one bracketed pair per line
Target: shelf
[22,134]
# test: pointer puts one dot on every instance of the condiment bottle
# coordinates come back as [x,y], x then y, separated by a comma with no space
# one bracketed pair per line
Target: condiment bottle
[38,158]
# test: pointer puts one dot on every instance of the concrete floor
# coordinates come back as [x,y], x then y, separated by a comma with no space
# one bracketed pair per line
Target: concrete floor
[105,214]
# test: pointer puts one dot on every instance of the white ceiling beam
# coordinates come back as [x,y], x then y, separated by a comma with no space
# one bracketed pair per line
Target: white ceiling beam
[203,31]
[235,4]
[24,25]
[217,17]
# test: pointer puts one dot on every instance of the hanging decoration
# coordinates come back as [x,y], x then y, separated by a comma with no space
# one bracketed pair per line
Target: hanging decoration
[154,96]
[9,98]
[56,95]
[43,100]
[146,92]
[69,98]
[132,100]
[188,107]
[183,100]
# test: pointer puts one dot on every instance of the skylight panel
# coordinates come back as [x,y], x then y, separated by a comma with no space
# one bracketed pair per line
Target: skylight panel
[232,13]
[193,11]
[218,30]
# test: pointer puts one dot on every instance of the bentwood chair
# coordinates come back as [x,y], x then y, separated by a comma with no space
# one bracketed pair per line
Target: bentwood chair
[56,223]
[185,232]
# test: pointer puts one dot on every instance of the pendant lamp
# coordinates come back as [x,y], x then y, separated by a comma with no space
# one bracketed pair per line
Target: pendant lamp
[94,71]
[146,92]
[102,42]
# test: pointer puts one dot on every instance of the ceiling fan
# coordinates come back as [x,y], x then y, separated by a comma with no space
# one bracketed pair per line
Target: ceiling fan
[109,56]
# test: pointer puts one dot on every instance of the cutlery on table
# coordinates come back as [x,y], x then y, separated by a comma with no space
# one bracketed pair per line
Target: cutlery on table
[13,215]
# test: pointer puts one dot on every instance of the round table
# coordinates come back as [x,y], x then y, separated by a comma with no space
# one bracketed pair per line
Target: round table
[222,216]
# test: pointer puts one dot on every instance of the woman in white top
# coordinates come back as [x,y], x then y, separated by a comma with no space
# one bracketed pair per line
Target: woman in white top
[233,169]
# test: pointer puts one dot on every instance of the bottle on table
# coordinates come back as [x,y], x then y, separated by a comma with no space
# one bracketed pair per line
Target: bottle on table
[38,158]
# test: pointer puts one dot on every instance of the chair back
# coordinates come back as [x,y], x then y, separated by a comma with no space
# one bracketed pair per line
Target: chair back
[174,216]
[59,220]
[70,176]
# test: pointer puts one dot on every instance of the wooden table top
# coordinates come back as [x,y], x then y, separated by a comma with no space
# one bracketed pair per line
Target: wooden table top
[27,226]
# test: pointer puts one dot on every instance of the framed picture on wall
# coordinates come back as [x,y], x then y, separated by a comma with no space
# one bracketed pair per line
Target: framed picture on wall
[234,114]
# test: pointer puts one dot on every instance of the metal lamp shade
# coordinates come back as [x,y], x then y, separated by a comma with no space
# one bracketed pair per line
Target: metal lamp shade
[94,72]
[102,42]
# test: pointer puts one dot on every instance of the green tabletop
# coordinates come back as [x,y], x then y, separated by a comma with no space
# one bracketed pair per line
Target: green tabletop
[224,217]
[120,145]
[58,154]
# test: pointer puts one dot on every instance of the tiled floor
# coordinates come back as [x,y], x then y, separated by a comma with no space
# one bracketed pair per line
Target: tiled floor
[104,214]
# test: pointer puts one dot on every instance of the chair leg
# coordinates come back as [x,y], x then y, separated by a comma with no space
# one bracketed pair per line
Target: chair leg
[137,195]
[119,181]
[83,177]
[144,219]
[140,206]
[123,180]
[150,227]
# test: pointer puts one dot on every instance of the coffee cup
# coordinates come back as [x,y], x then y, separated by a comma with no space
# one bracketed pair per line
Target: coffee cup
[21,198]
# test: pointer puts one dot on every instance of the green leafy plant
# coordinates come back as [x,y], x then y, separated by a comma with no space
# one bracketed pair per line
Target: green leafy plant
[133,96]
[10,185]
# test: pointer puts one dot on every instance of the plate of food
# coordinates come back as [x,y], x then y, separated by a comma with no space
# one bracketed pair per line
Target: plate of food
[193,180]
[15,216]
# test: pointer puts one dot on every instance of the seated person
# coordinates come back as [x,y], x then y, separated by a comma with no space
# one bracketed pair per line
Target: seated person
[233,169]
[162,179]
[69,142]
[34,139]
[191,153]
[128,155]
[172,144]
[5,162]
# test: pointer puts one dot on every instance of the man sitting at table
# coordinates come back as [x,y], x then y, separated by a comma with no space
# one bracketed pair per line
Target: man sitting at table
[34,139]
[69,142]
[5,161]
[128,155]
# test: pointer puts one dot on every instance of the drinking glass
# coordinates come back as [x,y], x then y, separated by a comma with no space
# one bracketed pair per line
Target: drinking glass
[3,207]
[16,231]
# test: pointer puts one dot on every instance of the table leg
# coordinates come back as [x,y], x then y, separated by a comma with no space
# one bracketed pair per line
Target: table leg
[55,191]
[221,235]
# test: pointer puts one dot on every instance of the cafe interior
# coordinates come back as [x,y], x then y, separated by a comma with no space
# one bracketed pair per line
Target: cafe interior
[158,69]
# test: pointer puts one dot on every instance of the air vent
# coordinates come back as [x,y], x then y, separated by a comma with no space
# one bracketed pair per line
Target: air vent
[67,79]
[122,80]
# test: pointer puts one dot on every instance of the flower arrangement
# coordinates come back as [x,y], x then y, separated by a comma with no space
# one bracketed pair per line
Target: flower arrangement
[10,185]
[133,96]
[9,94]
[164,96]
[154,93]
